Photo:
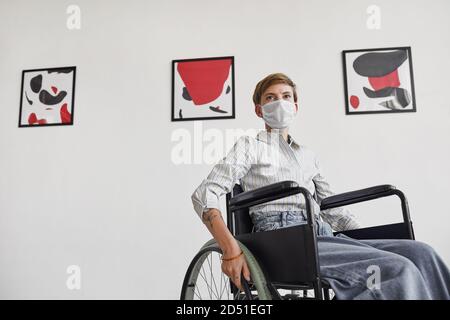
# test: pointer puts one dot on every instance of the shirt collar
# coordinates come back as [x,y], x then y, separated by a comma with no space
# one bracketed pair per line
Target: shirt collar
[264,135]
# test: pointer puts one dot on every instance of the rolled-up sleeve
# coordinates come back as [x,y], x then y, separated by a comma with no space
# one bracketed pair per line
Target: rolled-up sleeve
[223,176]
[340,218]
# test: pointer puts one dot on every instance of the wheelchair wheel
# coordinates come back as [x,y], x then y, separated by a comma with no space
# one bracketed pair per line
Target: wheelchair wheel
[205,280]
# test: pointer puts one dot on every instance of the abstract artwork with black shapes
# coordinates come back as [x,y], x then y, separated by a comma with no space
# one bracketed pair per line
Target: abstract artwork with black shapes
[47,97]
[379,80]
[203,89]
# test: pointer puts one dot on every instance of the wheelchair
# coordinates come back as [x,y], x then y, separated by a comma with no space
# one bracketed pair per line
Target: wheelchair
[284,263]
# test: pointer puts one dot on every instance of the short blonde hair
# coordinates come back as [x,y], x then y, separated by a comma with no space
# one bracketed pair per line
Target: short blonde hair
[271,79]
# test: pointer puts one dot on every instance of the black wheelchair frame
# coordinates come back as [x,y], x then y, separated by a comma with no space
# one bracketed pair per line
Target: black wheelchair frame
[272,247]
[285,258]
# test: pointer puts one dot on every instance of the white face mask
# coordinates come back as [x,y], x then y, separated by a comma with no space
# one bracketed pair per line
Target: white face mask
[279,114]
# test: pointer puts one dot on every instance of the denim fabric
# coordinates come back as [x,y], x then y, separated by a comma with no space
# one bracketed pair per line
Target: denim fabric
[264,221]
[408,269]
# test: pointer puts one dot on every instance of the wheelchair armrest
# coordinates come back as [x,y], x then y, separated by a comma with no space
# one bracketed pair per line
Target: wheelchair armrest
[367,194]
[265,194]
[356,196]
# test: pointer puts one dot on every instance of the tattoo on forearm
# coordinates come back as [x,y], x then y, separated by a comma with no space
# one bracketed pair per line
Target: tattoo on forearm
[208,217]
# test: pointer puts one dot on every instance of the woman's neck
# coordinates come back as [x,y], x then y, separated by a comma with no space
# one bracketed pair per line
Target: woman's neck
[284,132]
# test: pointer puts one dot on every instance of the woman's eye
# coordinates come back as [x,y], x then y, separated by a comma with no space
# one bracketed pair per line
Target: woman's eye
[287,96]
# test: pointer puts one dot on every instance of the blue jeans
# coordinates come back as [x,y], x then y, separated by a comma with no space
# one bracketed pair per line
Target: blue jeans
[370,269]
[276,220]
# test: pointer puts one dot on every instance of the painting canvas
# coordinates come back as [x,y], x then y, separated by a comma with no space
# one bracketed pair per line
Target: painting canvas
[379,80]
[203,89]
[47,97]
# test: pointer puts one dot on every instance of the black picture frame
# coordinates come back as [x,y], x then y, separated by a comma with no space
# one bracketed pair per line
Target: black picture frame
[175,109]
[72,100]
[404,94]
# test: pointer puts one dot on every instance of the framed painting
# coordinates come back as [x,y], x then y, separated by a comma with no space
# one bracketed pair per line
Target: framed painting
[379,80]
[203,89]
[47,97]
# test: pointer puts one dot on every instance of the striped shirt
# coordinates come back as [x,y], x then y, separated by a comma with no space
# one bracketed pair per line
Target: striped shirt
[267,159]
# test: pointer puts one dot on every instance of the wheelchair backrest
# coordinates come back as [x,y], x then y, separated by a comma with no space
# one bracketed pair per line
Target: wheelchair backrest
[239,221]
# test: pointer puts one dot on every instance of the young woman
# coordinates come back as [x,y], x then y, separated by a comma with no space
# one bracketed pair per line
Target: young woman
[408,269]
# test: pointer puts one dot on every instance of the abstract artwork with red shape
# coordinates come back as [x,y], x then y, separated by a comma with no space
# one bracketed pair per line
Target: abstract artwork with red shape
[379,80]
[203,89]
[48,97]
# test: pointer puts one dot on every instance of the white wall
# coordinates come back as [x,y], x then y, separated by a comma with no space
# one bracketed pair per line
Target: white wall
[103,194]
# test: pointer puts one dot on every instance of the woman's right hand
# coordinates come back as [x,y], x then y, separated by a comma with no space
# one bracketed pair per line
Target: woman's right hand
[212,218]
[235,267]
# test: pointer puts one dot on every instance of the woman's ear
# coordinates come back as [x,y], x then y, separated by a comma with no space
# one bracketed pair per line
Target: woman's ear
[258,110]
[296,106]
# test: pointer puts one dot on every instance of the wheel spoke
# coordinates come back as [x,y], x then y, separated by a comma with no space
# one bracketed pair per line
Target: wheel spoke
[221,279]
[210,289]
[213,276]
[197,294]
[226,286]
[201,274]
